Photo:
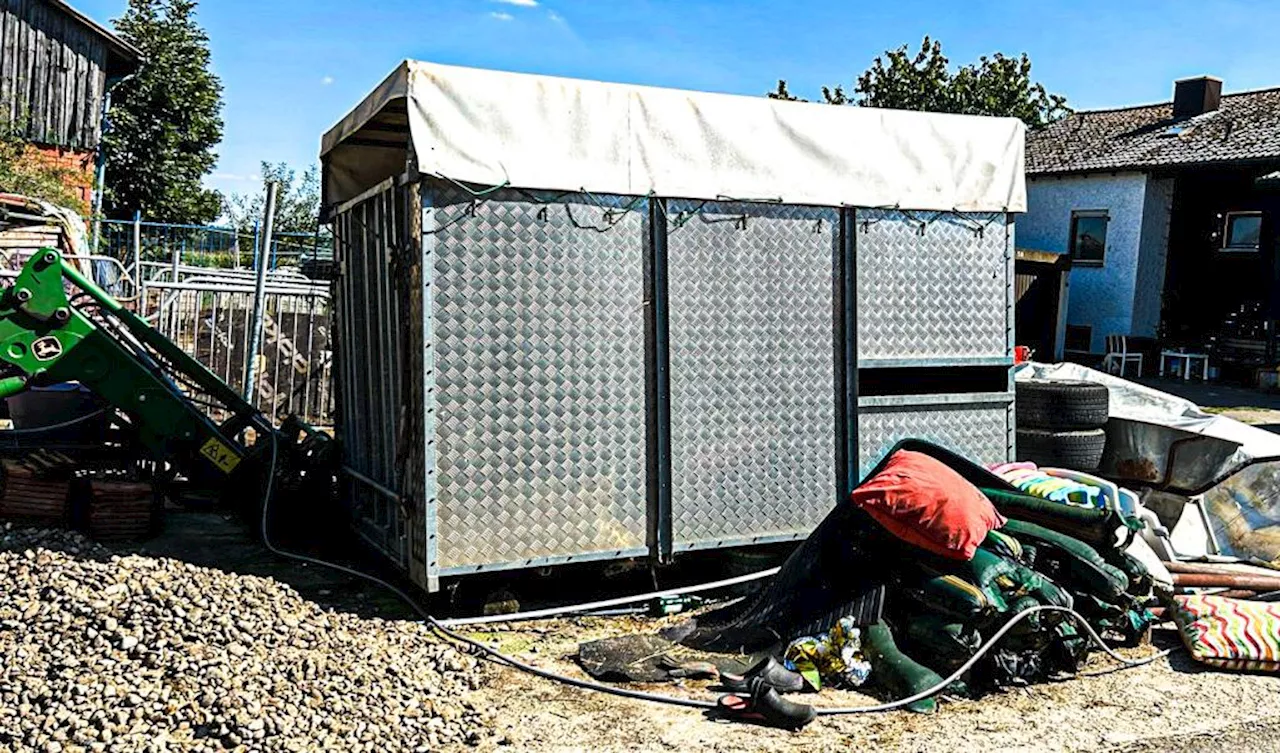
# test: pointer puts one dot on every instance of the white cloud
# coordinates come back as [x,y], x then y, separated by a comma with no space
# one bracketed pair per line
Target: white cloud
[235,176]
[555,17]
[499,15]
[326,80]
[521,3]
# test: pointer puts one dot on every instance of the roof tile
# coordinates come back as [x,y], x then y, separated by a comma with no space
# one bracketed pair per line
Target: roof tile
[1246,127]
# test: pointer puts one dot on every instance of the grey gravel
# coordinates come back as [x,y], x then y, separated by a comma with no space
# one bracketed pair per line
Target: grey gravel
[130,653]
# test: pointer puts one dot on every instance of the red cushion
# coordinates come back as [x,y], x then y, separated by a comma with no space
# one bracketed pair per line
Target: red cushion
[923,502]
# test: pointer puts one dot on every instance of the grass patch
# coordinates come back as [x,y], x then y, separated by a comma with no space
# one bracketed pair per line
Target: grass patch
[508,643]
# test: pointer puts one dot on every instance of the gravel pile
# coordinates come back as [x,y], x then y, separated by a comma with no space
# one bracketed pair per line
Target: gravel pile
[99,652]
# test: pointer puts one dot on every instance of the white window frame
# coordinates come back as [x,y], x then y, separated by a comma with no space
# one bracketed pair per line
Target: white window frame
[1077,214]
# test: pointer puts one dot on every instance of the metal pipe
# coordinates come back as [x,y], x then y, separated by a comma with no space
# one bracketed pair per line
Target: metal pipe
[137,252]
[1225,580]
[264,248]
[377,487]
[1206,568]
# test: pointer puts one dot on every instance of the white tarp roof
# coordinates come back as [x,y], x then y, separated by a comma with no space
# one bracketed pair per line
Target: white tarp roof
[538,132]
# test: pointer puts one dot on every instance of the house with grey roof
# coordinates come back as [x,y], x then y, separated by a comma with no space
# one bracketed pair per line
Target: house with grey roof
[1168,212]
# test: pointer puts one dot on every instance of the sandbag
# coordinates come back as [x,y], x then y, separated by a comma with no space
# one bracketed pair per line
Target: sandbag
[1092,525]
[896,671]
[948,642]
[955,597]
[1082,561]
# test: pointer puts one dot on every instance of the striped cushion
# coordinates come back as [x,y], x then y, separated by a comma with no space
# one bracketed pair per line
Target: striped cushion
[1230,633]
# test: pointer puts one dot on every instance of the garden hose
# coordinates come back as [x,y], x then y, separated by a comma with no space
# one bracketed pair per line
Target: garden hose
[669,700]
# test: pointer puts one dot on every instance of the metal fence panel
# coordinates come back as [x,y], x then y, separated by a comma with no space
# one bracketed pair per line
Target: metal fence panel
[212,321]
[753,425]
[932,290]
[538,335]
[975,425]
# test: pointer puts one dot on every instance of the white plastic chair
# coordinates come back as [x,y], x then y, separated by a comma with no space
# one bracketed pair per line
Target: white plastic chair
[1118,355]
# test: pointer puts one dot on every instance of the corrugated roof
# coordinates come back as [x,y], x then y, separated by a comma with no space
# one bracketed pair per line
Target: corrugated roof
[1246,127]
[126,54]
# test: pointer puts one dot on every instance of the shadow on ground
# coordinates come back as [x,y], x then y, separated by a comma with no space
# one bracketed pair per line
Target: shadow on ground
[1217,394]
[225,541]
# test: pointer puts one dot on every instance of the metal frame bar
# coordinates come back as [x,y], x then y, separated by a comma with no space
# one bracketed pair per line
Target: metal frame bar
[658,383]
[772,538]
[1011,303]
[562,559]
[846,354]
[959,398]
[962,362]
[431,488]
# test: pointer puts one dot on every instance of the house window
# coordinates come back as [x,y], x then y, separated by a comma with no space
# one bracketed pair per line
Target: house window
[1089,237]
[1242,231]
[1079,338]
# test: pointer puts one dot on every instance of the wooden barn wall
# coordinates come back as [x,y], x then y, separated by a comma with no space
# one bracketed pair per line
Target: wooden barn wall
[52,75]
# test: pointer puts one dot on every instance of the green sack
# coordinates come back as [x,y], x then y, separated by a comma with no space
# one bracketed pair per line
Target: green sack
[1082,561]
[898,672]
[1092,525]
[1004,545]
[952,643]
[953,596]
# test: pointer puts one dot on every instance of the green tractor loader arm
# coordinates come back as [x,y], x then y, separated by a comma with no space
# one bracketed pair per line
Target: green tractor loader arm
[47,338]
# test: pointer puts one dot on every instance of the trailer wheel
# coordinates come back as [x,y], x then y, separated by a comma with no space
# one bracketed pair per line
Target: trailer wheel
[1062,406]
[1075,450]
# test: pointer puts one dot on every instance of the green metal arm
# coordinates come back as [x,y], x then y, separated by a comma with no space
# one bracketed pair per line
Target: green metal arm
[47,340]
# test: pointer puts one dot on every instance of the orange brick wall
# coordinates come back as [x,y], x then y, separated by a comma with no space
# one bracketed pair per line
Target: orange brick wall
[80,165]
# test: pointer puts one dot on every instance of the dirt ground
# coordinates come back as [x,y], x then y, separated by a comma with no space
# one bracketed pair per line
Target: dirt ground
[1170,705]
[1250,406]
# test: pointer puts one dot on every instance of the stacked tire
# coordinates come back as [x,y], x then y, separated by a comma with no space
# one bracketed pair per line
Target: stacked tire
[1060,423]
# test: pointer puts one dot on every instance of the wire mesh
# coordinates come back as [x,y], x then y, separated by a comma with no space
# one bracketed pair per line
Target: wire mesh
[197,288]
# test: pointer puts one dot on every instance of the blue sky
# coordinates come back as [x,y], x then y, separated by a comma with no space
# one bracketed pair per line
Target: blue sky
[293,67]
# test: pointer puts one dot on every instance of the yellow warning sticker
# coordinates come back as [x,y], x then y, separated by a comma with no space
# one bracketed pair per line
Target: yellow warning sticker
[220,454]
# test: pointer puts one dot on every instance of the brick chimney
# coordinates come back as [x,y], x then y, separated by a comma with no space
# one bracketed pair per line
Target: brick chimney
[1195,96]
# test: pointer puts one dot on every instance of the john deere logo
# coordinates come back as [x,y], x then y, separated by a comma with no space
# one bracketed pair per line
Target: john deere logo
[46,348]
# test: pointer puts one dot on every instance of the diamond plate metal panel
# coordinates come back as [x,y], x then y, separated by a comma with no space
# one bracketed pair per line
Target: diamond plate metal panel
[538,331]
[978,430]
[752,370]
[932,287]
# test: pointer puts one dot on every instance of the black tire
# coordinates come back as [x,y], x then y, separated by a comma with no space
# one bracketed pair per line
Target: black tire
[1075,450]
[1062,406]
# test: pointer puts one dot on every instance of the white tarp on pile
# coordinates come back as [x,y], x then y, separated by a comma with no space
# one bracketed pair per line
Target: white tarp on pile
[491,128]
[1135,402]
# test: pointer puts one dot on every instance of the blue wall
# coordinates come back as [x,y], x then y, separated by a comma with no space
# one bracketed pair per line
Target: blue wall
[1099,297]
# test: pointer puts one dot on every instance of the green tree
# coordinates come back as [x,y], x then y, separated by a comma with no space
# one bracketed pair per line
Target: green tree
[164,122]
[297,200]
[995,85]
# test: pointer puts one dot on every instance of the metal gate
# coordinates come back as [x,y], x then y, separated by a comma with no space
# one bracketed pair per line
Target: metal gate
[368,324]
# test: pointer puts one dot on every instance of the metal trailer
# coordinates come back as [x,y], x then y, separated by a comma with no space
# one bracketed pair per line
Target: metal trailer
[529,378]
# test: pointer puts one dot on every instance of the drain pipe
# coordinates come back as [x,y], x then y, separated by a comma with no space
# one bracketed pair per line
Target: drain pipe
[100,168]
